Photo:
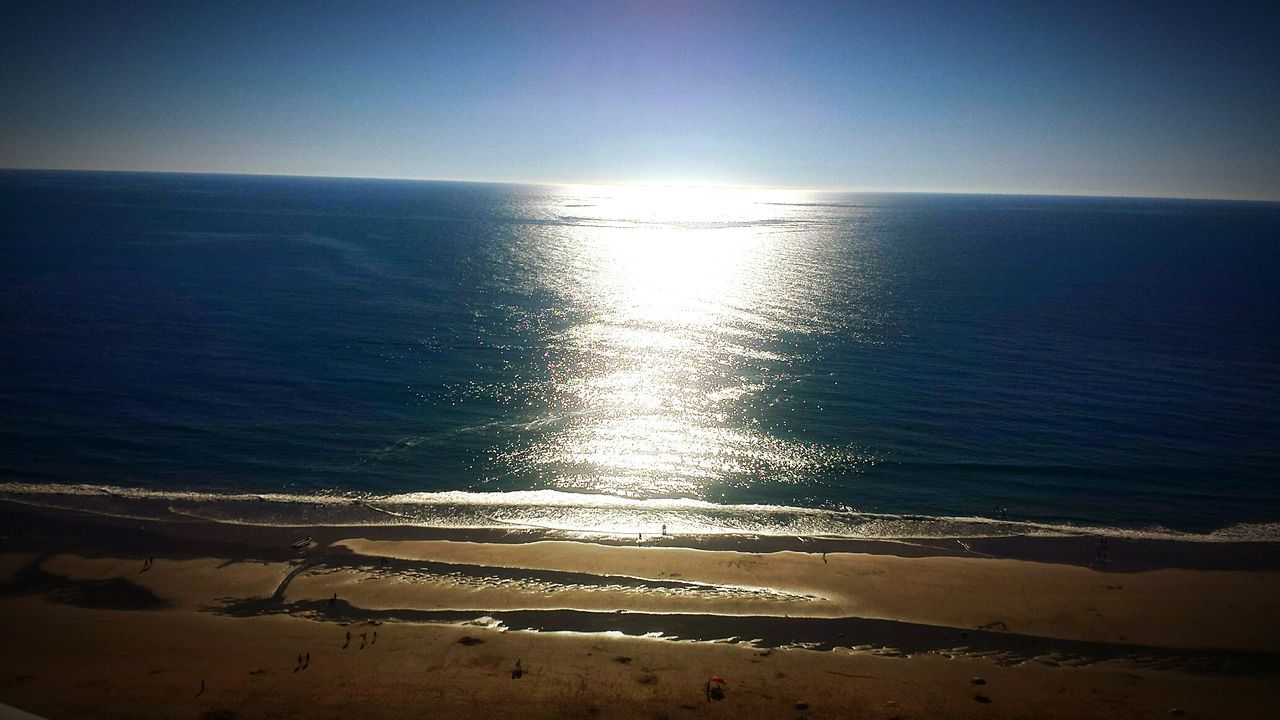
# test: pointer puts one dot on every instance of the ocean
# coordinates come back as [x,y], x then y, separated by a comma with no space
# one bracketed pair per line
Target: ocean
[289,351]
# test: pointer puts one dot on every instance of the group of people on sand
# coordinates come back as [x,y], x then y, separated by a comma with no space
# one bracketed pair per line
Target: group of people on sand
[364,636]
[640,536]
[364,640]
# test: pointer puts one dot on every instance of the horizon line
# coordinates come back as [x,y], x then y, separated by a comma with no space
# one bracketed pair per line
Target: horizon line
[661,184]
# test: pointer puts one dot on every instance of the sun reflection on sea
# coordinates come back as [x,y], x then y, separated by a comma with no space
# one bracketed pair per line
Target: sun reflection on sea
[683,300]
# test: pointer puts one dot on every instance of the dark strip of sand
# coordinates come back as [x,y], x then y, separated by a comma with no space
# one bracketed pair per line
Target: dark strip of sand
[31,528]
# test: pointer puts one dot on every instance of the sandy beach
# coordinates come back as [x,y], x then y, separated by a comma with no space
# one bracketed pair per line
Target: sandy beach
[114,618]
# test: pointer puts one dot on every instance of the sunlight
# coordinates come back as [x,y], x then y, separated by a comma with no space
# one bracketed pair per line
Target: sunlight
[676,204]
[676,256]
[679,285]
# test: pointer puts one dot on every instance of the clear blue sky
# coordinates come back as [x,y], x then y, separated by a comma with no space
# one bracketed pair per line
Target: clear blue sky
[1160,98]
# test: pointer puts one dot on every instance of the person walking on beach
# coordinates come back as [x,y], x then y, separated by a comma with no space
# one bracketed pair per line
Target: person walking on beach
[714,689]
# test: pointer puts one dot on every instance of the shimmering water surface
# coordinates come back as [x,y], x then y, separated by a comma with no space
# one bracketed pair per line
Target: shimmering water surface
[615,358]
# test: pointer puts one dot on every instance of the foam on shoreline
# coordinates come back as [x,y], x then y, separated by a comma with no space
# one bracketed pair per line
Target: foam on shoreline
[568,514]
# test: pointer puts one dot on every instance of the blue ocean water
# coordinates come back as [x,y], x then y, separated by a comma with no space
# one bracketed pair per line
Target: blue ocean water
[610,358]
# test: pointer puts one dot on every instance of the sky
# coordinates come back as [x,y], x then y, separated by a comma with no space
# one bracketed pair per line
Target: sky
[1108,98]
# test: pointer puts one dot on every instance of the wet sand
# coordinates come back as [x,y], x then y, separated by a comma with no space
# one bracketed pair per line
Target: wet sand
[108,618]
[1230,609]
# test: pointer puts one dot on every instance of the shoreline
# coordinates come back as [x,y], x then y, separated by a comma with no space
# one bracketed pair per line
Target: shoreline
[1123,554]
[1160,626]
[591,516]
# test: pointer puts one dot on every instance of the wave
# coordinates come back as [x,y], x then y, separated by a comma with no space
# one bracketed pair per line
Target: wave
[573,514]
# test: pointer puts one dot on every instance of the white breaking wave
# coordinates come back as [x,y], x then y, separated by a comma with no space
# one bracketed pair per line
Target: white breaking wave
[567,512]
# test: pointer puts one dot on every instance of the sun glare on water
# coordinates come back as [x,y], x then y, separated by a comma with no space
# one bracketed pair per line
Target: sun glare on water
[685,304]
